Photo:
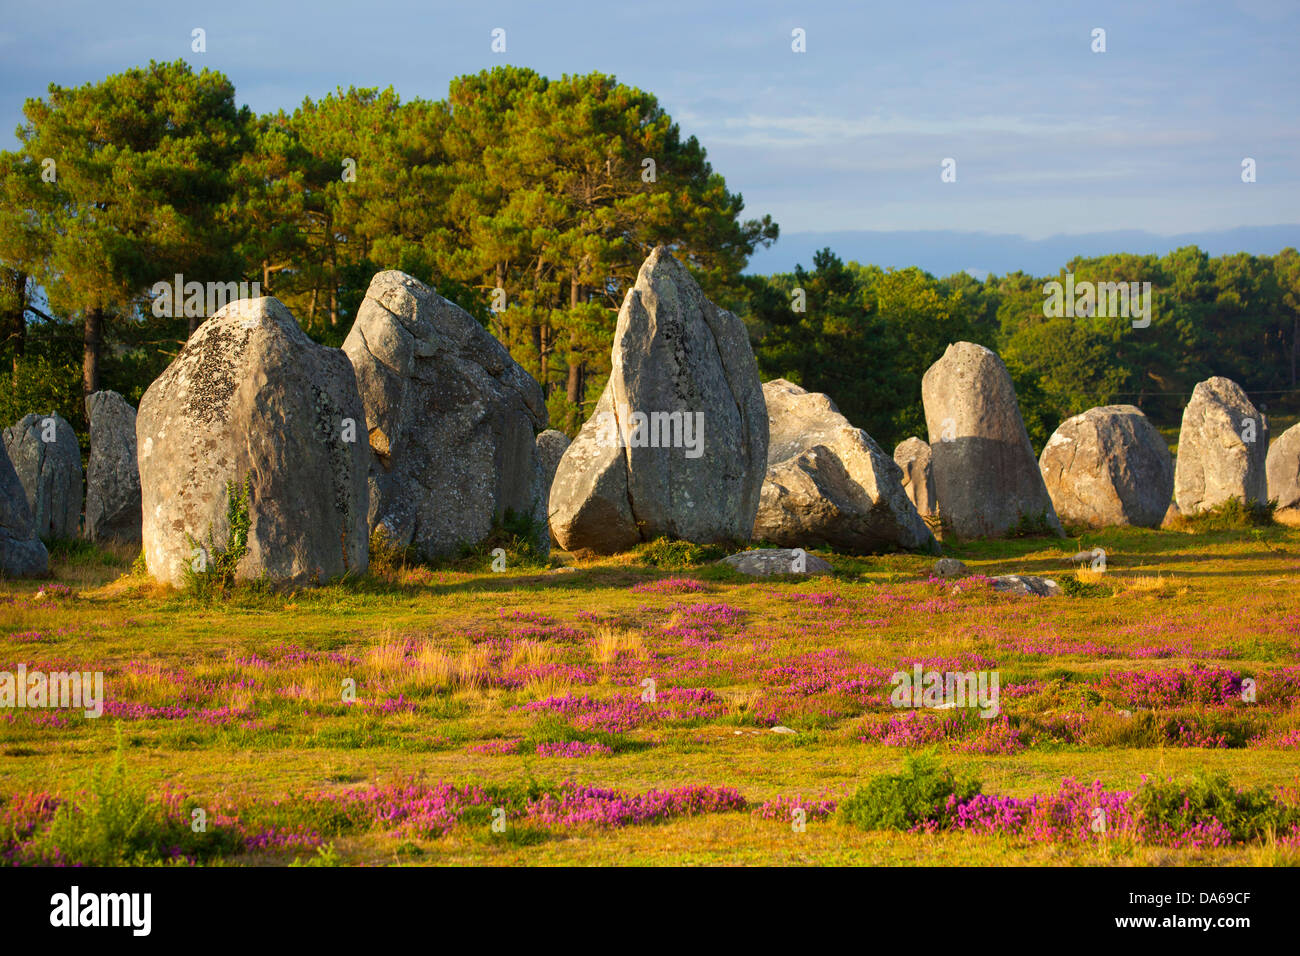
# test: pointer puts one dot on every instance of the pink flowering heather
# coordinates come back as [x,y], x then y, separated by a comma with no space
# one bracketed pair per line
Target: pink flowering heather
[782,808]
[594,806]
[407,808]
[1171,687]
[572,748]
[997,736]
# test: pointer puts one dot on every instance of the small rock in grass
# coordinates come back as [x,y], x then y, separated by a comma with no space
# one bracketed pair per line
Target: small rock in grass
[768,561]
[1026,584]
[950,568]
[779,729]
[1085,557]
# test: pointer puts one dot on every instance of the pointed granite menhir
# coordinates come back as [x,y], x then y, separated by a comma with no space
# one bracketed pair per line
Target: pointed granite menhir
[452,421]
[677,445]
[986,477]
[113,473]
[1222,449]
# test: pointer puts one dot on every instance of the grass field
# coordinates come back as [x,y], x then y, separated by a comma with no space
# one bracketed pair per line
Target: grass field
[505,718]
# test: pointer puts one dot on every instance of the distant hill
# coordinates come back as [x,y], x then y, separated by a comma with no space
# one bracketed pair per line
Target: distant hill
[943,252]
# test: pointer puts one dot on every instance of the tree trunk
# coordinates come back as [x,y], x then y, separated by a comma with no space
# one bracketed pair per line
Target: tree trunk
[1295,346]
[13,321]
[92,340]
[574,386]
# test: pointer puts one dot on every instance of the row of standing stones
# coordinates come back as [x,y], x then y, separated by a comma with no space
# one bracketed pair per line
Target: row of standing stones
[424,426]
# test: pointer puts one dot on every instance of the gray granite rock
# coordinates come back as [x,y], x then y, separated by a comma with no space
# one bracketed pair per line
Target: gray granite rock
[986,478]
[677,446]
[252,399]
[451,418]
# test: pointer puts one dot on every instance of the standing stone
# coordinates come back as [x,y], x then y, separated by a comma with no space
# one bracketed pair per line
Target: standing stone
[677,445]
[21,552]
[1222,449]
[1108,466]
[47,459]
[914,458]
[112,475]
[551,445]
[252,399]
[1283,469]
[829,484]
[986,479]
[451,418]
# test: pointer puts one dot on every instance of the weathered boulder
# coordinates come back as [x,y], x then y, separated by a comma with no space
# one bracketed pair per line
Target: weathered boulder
[763,562]
[1026,584]
[1283,469]
[1108,466]
[551,445]
[47,459]
[949,568]
[112,474]
[677,446]
[21,552]
[252,400]
[986,479]
[914,458]
[1222,449]
[829,484]
[451,417]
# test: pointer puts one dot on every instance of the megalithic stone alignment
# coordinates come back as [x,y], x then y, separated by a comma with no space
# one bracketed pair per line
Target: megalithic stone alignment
[451,421]
[1109,466]
[252,398]
[986,477]
[1222,449]
[678,442]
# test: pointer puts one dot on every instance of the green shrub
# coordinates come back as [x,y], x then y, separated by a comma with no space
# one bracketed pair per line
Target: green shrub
[517,535]
[386,557]
[114,822]
[670,555]
[1232,515]
[1247,814]
[901,801]
[222,563]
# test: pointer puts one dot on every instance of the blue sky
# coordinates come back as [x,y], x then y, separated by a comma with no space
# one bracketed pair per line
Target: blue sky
[1049,137]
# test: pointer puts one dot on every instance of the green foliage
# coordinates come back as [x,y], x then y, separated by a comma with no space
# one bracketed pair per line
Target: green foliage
[1032,525]
[324,856]
[1232,515]
[517,534]
[79,552]
[900,801]
[1073,587]
[115,822]
[1248,814]
[667,554]
[221,563]
[386,558]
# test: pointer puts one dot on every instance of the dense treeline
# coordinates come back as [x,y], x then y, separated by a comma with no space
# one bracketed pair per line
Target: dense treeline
[532,203]
[867,335]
